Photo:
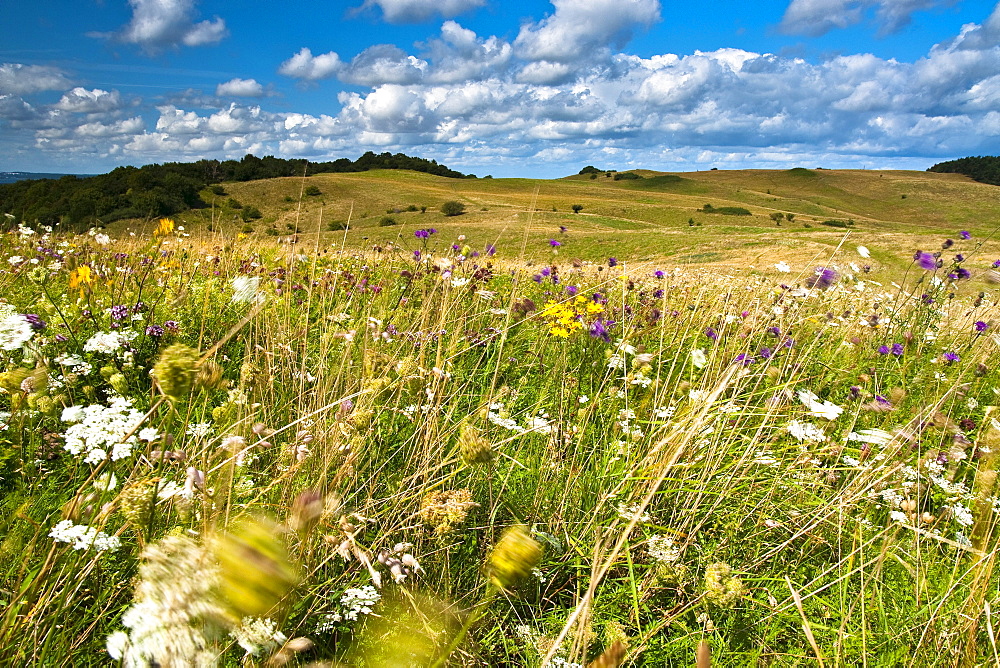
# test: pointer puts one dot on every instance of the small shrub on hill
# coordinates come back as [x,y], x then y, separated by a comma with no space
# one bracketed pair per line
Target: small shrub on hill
[452,208]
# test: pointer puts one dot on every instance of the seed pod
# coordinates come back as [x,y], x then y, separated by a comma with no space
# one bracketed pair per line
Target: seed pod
[175,371]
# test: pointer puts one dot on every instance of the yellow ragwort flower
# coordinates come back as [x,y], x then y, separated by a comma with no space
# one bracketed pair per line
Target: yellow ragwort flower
[165,227]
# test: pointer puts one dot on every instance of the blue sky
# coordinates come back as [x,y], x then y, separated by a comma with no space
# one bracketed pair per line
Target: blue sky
[509,88]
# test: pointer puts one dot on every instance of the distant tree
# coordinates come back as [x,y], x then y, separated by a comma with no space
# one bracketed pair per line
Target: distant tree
[452,208]
[590,169]
[218,190]
[250,213]
[233,203]
[577,208]
[789,217]
[777,217]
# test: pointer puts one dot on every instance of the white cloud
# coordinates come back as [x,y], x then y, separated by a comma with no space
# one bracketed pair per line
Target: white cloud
[128,126]
[384,64]
[460,55]
[22,79]
[817,17]
[415,11]
[13,108]
[81,100]
[240,88]
[304,65]
[579,27]
[158,24]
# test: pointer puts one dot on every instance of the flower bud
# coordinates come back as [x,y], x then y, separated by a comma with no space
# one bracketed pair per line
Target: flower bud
[175,371]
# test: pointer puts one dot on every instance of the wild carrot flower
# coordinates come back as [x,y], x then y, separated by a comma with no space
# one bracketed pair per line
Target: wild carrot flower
[15,331]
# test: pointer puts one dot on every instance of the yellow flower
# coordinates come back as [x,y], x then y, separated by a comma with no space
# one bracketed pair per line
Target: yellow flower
[556,330]
[165,227]
[80,276]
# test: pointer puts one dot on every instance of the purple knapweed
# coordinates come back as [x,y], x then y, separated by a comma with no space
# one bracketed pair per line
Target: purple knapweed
[554,243]
[951,358]
[965,234]
[980,326]
[926,261]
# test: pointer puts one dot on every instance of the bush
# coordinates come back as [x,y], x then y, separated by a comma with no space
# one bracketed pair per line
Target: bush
[233,203]
[313,191]
[386,221]
[843,224]
[412,207]
[251,213]
[289,198]
[272,231]
[626,176]
[247,229]
[590,169]
[452,208]
[577,208]
[218,190]
[727,210]
[336,225]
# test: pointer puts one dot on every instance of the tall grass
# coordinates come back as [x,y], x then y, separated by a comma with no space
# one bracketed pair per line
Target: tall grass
[431,455]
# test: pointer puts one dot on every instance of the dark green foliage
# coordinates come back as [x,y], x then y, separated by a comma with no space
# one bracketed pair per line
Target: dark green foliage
[590,169]
[386,221]
[313,191]
[251,213]
[452,208]
[843,224]
[412,207]
[727,210]
[157,190]
[800,171]
[336,225]
[233,203]
[983,168]
[218,190]
[577,208]
[626,176]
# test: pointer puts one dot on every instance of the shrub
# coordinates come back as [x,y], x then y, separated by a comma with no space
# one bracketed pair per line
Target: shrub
[218,190]
[232,203]
[412,207]
[837,223]
[247,229]
[452,208]
[289,198]
[626,176]
[313,191]
[733,211]
[251,213]
[590,169]
[577,208]
[386,221]
[336,225]
[271,231]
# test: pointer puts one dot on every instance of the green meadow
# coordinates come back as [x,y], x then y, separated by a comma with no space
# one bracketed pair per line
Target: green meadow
[321,423]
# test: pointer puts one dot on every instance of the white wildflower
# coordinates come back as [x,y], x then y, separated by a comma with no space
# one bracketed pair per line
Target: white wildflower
[258,636]
[83,537]
[873,436]
[104,342]
[15,331]
[805,431]
[783,267]
[864,252]
[663,549]
[246,289]
[698,358]
[99,429]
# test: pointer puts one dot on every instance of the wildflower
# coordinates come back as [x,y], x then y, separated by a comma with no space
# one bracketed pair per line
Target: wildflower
[951,357]
[155,331]
[421,234]
[164,227]
[246,289]
[823,278]
[926,261]
[783,267]
[354,602]
[965,234]
[97,429]
[722,587]
[473,446]
[445,511]
[258,636]
[599,330]
[805,431]
[175,371]
[824,409]
[554,243]
[698,358]
[513,557]
[663,549]
[864,252]
[83,537]
[980,326]
[15,331]
[712,334]
[612,262]
[105,342]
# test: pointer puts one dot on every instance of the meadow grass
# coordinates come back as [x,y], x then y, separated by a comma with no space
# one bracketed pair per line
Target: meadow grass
[464,448]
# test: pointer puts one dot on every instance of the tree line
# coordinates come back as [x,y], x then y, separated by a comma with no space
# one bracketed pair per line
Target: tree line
[982,168]
[157,190]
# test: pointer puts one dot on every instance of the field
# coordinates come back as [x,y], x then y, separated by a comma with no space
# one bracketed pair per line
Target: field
[660,436]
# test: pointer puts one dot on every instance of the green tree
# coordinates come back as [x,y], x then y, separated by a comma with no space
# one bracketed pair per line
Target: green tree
[577,208]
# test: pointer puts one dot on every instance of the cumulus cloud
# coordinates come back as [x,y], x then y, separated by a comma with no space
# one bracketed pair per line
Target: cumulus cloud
[23,79]
[240,88]
[579,27]
[461,55]
[384,64]
[416,11]
[159,24]
[304,65]
[817,17]
[81,100]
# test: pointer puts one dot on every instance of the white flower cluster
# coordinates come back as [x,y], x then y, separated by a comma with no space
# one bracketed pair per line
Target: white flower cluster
[817,408]
[355,601]
[258,635]
[632,512]
[499,417]
[663,549]
[15,330]
[76,363]
[108,342]
[98,429]
[873,436]
[805,431]
[83,537]
[559,662]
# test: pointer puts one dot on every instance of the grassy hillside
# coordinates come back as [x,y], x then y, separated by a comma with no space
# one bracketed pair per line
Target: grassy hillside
[893,212]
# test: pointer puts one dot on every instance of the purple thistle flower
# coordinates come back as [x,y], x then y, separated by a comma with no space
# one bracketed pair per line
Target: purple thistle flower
[34,320]
[855,392]
[774,331]
[456,247]
[980,326]
[545,272]
[416,255]
[537,278]
[883,350]
[554,243]
[562,228]
[946,244]
[599,330]
[765,353]
[421,234]
[154,330]
[897,349]
[965,234]
[927,261]
[571,290]
[612,261]
[823,278]
[431,230]
[491,250]
[712,334]
[658,273]
[963,273]
[959,257]
[951,357]
[744,359]
[172,326]
[658,294]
